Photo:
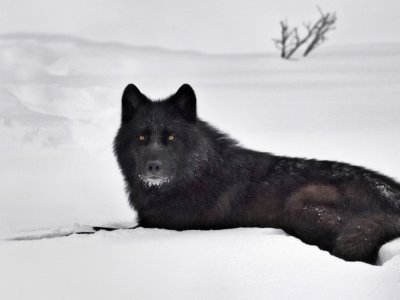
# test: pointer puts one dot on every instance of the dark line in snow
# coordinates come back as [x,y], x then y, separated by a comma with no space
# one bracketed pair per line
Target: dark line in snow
[92,230]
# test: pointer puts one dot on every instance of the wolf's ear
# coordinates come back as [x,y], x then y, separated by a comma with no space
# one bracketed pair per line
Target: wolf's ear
[132,98]
[185,101]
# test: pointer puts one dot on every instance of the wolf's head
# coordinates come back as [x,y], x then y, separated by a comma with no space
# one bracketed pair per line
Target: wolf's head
[160,142]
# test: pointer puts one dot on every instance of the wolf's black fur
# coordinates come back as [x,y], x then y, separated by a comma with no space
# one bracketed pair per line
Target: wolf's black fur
[181,173]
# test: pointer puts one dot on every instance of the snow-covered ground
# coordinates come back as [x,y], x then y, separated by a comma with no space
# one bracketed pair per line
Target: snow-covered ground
[59,111]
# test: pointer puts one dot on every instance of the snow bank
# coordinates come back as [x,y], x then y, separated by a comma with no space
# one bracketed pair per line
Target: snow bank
[161,264]
[388,251]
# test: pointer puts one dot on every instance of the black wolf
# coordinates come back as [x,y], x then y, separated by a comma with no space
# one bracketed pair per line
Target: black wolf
[181,173]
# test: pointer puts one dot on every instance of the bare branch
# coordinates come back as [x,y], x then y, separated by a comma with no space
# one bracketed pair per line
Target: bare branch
[290,40]
[325,24]
[284,40]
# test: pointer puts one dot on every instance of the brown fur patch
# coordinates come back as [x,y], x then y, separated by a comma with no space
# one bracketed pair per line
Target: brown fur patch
[317,194]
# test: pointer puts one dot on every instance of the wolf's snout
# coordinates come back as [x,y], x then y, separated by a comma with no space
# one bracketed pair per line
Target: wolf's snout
[153,167]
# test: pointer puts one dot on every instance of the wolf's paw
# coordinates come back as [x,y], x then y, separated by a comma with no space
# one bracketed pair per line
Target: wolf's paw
[358,240]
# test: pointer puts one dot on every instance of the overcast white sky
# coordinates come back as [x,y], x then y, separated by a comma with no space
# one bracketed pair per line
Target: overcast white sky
[206,25]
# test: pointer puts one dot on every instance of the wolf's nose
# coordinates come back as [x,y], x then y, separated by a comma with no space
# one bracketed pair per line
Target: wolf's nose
[153,166]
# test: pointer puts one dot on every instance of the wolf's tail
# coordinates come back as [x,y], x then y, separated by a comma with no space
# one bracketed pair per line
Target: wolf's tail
[362,237]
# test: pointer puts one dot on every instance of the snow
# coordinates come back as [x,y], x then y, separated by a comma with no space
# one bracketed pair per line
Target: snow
[59,111]
[388,251]
[154,182]
[159,264]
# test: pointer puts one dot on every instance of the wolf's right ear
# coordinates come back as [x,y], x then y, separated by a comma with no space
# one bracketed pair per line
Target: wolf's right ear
[132,98]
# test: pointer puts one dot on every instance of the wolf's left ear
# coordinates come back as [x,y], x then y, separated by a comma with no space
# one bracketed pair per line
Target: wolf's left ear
[185,101]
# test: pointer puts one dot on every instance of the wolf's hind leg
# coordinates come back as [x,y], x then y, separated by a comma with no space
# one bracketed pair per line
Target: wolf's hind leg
[315,224]
[361,238]
[314,214]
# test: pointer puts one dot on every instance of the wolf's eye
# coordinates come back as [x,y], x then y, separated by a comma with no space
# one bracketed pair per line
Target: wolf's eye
[171,137]
[142,138]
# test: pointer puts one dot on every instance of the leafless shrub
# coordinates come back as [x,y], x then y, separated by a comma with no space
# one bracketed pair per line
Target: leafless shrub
[290,40]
